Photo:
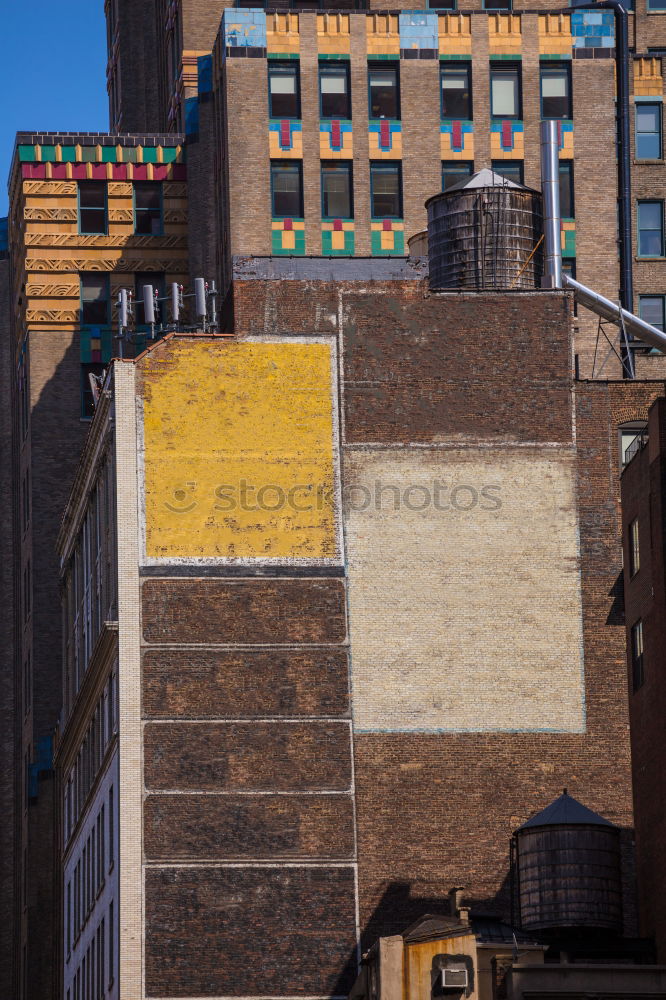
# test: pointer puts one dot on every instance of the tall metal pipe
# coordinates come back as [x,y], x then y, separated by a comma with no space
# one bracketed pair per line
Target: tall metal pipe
[550,187]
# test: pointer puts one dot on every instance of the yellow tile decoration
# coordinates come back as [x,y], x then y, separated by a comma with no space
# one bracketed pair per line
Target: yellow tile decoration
[455,34]
[648,80]
[282,33]
[504,34]
[555,34]
[333,34]
[383,34]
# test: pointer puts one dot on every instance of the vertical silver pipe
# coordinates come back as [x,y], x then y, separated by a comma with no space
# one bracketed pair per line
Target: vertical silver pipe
[550,187]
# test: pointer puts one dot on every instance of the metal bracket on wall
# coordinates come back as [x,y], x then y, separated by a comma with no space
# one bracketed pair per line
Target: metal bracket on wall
[619,345]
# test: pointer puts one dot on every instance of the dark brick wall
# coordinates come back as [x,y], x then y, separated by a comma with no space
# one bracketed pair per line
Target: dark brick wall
[257,756]
[644,497]
[201,683]
[205,827]
[244,611]
[138,77]
[221,931]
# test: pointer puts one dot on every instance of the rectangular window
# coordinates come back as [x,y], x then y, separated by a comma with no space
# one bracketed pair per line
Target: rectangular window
[441,4]
[648,131]
[111,949]
[566,189]
[455,172]
[384,91]
[283,90]
[148,208]
[556,91]
[651,309]
[456,90]
[650,229]
[287,189]
[334,90]
[656,5]
[386,191]
[631,436]
[497,4]
[336,190]
[511,169]
[634,548]
[93,217]
[96,370]
[505,97]
[112,845]
[637,664]
[95,299]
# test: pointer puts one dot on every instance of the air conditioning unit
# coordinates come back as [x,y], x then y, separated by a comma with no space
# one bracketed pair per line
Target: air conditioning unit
[454,979]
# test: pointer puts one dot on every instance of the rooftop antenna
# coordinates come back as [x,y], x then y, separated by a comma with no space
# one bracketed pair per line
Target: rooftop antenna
[150,307]
[124,312]
[200,305]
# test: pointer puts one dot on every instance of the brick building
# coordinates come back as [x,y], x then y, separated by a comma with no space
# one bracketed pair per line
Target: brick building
[645,601]
[354,117]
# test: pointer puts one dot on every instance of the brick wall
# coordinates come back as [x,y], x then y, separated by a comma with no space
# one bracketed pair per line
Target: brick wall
[643,494]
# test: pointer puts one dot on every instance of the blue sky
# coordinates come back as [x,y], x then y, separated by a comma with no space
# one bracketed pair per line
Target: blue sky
[52,71]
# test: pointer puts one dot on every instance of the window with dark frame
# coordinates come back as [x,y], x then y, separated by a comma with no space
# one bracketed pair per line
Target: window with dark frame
[513,170]
[637,655]
[497,4]
[650,229]
[334,90]
[648,131]
[284,89]
[505,90]
[384,91]
[456,90]
[455,171]
[441,5]
[287,189]
[628,435]
[95,299]
[386,190]
[651,309]
[634,548]
[567,207]
[93,215]
[148,208]
[556,90]
[337,190]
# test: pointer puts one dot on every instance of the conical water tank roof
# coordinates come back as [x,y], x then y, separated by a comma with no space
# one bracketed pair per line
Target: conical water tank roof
[568,861]
[484,233]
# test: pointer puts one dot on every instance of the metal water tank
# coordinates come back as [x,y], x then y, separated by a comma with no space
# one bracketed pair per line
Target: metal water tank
[568,862]
[484,233]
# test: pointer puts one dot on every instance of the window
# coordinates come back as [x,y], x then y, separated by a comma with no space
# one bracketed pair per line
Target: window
[287,189]
[92,207]
[497,4]
[630,437]
[648,131]
[336,190]
[566,189]
[555,91]
[386,191]
[384,91]
[455,171]
[157,280]
[283,90]
[650,229]
[634,548]
[656,5]
[95,296]
[112,846]
[148,209]
[651,309]
[511,169]
[637,665]
[441,4]
[505,98]
[456,89]
[334,91]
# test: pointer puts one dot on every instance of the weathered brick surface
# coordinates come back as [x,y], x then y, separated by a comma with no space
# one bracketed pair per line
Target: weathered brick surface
[228,827]
[195,683]
[253,756]
[243,611]
[643,497]
[300,922]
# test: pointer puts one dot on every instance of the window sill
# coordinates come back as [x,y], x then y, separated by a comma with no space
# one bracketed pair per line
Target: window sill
[644,260]
[648,163]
